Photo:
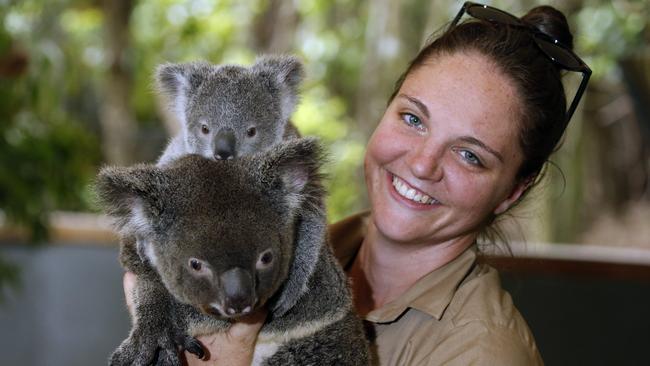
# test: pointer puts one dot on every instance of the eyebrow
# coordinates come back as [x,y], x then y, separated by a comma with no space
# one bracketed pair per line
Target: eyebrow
[469,139]
[479,143]
[423,108]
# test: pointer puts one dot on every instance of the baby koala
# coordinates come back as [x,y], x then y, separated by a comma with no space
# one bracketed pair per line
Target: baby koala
[227,111]
[209,253]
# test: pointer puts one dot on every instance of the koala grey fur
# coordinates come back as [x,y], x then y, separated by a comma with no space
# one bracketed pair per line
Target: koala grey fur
[226,111]
[264,203]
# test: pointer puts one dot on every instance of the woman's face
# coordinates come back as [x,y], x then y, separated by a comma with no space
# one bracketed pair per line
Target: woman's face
[445,154]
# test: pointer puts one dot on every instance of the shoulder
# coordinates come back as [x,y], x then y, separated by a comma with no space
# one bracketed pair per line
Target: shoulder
[482,343]
[479,326]
[485,324]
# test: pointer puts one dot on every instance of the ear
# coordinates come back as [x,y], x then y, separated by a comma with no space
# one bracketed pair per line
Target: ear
[132,196]
[287,73]
[295,164]
[516,192]
[179,82]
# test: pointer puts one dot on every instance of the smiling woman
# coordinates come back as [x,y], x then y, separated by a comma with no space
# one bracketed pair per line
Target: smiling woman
[466,134]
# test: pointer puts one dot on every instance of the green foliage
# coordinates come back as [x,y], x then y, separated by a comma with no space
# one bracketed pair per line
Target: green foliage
[46,156]
[50,135]
[325,116]
[611,30]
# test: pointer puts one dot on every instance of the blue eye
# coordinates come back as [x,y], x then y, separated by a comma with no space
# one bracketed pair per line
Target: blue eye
[411,120]
[470,157]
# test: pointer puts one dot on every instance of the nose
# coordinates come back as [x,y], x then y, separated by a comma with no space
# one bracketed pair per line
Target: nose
[239,294]
[224,144]
[425,161]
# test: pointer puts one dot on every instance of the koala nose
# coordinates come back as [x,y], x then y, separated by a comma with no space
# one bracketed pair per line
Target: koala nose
[224,145]
[239,295]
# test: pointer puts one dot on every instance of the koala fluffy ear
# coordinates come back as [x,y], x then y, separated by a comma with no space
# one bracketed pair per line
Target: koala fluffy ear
[132,196]
[179,81]
[287,73]
[296,163]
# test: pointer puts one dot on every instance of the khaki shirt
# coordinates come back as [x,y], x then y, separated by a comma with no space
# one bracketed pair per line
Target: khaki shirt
[456,315]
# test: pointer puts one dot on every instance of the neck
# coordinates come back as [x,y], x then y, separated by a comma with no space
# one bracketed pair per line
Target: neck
[384,269]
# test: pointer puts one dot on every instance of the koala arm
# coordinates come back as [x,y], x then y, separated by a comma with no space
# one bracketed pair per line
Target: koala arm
[234,347]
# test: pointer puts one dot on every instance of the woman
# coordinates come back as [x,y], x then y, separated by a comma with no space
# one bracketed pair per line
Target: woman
[466,134]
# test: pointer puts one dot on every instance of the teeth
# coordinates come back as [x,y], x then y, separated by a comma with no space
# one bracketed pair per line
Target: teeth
[410,194]
[405,191]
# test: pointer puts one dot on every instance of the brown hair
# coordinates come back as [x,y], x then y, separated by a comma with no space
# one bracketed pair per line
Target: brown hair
[536,78]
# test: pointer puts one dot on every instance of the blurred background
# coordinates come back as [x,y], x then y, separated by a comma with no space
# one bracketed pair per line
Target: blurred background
[76,93]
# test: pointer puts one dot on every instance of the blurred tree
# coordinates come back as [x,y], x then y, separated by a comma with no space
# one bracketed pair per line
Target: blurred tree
[77,80]
[46,157]
[117,119]
[274,28]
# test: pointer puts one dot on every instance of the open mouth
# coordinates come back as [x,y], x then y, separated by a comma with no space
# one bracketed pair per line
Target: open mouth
[410,193]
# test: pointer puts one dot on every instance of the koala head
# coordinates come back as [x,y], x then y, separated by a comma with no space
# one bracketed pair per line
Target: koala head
[224,247]
[228,111]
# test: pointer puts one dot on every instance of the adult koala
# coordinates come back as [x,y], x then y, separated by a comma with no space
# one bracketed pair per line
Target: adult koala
[208,253]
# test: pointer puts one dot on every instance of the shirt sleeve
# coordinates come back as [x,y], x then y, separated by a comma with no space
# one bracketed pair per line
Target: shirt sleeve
[479,344]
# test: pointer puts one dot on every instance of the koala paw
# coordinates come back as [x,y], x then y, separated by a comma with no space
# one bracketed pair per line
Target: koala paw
[191,345]
[162,351]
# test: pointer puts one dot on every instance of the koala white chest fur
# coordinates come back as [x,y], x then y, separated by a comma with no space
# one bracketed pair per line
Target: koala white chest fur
[264,351]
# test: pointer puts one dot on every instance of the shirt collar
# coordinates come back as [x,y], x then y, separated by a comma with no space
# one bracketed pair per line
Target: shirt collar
[431,294]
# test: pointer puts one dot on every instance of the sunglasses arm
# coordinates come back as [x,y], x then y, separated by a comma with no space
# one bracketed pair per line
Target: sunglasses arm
[581,89]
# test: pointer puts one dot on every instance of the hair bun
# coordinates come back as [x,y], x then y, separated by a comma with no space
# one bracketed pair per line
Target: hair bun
[552,22]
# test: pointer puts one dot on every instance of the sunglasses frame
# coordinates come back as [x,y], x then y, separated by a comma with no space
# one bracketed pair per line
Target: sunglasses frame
[539,38]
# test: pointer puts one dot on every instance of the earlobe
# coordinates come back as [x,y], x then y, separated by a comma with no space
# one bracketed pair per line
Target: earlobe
[514,196]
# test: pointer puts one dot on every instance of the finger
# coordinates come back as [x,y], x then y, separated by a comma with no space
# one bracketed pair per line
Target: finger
[128,282]
[247,327]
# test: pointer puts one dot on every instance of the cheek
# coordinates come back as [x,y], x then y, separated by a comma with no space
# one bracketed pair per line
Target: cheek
[473,193]
[384,147]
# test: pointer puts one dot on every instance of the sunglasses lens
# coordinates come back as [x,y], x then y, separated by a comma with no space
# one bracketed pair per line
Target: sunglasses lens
[559,54]
[492,15]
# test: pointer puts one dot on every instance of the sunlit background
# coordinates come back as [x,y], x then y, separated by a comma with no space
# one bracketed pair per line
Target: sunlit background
[76,93]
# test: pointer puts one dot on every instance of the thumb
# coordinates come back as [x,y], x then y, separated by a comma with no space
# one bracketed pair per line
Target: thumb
[128,282]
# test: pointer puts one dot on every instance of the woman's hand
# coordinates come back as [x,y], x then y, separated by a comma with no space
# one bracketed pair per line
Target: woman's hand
[233,347]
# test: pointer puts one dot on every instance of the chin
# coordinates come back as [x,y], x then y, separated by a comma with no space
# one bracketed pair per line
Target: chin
[392,224]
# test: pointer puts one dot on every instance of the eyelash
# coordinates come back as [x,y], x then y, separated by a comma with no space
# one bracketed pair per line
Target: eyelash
[406,117]
[473,161]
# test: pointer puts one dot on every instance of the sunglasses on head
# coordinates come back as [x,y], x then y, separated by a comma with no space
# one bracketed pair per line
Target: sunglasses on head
[551,47]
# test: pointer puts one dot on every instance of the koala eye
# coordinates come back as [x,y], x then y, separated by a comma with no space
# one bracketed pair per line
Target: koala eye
[251,132]
[196,264]
[204,129]
[265,260]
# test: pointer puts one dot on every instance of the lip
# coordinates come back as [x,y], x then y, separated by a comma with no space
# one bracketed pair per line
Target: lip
[405,201]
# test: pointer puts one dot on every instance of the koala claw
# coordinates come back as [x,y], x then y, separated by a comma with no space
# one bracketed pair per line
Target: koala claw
[193,346]
[134,353]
